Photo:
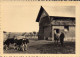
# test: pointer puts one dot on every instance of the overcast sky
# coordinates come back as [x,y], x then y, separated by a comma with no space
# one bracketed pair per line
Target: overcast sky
[22,18]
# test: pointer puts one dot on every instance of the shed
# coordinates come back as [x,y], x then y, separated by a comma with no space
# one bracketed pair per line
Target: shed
[49,24]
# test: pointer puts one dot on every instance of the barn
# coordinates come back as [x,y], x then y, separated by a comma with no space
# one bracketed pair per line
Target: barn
[49,24]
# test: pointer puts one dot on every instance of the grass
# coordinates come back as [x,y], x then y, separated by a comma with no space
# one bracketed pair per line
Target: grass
[46,47]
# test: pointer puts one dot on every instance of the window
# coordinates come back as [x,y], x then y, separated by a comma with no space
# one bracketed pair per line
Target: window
[57,30]
[66,28]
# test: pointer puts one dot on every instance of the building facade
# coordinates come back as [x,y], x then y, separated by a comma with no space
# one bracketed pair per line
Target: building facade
[49,24]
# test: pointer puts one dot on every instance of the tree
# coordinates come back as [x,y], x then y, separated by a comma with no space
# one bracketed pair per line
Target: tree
[34,33]
[9,34]
[24,34]
[4,32]
[31,34]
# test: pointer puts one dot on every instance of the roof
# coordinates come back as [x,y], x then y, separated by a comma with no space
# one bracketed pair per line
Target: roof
[63,18]
[58,11]
[56,20]
[40,13]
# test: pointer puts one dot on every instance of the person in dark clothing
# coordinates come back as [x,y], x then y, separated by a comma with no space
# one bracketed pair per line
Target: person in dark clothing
[62,36]
[55,36]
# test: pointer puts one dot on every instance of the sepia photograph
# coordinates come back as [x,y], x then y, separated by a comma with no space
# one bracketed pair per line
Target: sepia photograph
[39,29]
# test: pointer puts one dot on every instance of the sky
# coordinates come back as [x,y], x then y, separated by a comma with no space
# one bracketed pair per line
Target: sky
[22,18]
[65,11]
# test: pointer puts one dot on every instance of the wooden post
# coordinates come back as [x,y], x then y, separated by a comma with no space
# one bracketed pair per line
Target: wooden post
[52,34]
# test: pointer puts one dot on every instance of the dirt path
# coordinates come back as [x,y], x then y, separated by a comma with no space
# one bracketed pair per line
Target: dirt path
[46,47]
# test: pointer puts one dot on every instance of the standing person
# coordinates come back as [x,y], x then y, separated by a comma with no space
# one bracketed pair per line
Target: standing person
[62,38]
[56,36]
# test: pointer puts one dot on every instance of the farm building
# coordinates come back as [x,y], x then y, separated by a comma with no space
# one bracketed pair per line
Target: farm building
[49,24]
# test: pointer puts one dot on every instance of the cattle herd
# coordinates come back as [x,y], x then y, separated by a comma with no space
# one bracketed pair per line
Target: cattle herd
[18,44]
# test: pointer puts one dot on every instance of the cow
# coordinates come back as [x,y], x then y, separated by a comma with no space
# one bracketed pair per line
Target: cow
[24,44]
[8,42]
[19,43]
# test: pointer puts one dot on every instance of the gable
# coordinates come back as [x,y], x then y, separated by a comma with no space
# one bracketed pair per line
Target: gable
[42,13]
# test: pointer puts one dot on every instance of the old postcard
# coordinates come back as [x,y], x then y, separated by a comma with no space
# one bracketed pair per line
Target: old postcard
[39,28]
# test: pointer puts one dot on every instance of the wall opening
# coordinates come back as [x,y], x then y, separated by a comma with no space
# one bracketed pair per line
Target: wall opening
[66,28]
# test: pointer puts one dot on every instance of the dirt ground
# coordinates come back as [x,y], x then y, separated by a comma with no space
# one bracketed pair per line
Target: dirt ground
[46,47]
